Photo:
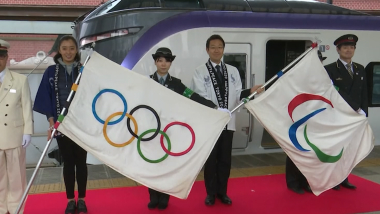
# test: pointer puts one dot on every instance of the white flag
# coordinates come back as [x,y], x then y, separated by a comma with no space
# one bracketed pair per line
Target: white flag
[313,124]
[114,107]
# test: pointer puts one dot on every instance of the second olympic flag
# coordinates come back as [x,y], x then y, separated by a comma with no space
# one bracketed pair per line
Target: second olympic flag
[140,128]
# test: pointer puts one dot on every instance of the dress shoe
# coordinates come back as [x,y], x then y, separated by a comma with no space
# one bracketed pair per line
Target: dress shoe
[152,204]
[337,187]
[81,207]
[224,199]
[348,185]
[297,190]
[210,200]
[308,189]
[162,206]
[70,208]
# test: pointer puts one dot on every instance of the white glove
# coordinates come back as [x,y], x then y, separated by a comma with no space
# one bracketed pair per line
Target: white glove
[360,111]
[225,110]
[26,140]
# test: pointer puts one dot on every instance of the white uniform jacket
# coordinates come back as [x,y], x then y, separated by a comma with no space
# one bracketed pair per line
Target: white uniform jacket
[16,118]
[202,85]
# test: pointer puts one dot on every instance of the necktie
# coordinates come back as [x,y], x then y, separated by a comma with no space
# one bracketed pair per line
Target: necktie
[162,81]
[349,69]
[219,74]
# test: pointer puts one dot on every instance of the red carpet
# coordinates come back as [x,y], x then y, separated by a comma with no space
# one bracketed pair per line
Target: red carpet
[259,194]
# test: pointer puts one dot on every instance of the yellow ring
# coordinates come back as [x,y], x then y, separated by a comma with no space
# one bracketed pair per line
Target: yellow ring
[105,129]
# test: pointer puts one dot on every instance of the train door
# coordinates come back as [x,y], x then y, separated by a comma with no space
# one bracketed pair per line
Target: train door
[280,53]
[238,55]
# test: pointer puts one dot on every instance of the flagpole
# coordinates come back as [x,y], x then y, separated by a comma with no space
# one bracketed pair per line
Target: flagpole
[279,74]
[51,136]
[53,49]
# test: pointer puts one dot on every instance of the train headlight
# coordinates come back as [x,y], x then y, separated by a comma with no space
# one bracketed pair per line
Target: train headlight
[108,35]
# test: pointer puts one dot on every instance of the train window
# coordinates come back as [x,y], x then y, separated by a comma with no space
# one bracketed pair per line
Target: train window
[281,6]
[227,5]
[269,6]
[117,5]
[373,83]
[240,62]
[181,4]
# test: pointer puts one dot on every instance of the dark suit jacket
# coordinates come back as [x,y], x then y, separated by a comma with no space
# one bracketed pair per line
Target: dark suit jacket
[177,86]
[353,90]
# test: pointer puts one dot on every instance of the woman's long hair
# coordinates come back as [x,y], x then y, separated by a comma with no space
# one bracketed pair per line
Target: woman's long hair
[66,38]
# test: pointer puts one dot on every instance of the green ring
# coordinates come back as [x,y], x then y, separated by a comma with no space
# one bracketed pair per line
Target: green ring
[141,154]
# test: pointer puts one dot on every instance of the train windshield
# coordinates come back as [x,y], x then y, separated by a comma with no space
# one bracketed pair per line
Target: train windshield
[118,5]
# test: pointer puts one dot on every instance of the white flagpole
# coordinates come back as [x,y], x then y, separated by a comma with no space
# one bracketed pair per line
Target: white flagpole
[279,74]
[51,137]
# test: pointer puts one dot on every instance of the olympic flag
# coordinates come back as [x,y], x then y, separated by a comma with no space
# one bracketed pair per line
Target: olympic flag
[122,118]
[313,124]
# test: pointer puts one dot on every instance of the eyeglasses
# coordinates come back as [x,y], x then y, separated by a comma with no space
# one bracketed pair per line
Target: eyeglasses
[216,48]
[3,56]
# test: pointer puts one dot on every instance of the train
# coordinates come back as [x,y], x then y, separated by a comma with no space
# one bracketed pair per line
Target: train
[261,38]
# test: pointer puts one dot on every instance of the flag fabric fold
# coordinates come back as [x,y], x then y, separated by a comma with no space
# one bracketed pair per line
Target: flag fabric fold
[314,125]
[141,129]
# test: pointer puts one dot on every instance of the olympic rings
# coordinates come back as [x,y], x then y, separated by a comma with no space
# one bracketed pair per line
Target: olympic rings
[157,118]
[179,153]
[122,99]
[135,132]
[105,129]
[162,135]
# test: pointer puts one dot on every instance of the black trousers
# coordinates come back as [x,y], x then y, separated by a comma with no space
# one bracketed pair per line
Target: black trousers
[75,166]
[294,177]
[159,197]
[218,165]
[345,181]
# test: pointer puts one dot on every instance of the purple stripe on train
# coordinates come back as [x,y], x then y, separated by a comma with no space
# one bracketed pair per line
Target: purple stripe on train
[199,19]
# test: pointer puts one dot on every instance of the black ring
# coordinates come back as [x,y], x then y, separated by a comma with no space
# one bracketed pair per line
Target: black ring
[155,114]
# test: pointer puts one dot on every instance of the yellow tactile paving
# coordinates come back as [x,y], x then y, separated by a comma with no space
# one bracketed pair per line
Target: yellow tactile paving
[367,162]
[200,176]
[122,182]
[32,189]
[45,188]
[236,173]
[99,184]
[376,161]
[126,182]
[273,170]
[252,172]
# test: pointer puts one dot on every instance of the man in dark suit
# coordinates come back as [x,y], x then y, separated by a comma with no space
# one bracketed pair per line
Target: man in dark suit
[163,59]
[295,180]
[349,79]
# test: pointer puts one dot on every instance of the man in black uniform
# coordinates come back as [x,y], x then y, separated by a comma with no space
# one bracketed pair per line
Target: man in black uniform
[163,59]
[295,180]
[349,79]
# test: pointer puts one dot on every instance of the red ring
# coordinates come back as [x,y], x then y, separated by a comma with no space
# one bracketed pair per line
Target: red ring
[179,153]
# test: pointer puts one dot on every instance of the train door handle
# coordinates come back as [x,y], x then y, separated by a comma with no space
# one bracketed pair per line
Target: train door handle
[245,129]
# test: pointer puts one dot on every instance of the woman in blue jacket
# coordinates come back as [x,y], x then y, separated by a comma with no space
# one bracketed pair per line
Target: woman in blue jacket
[51,97]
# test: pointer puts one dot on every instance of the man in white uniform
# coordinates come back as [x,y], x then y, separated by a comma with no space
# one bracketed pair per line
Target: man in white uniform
[16,127]
[220,83]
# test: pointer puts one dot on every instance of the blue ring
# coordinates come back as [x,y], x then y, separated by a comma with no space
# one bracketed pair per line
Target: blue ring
[121,97]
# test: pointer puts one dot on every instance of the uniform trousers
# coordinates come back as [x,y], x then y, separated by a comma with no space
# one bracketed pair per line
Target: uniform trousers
[12,179]
[160,197]
[74,166]
[218,165]
[294,177]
